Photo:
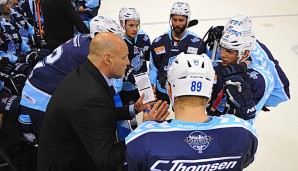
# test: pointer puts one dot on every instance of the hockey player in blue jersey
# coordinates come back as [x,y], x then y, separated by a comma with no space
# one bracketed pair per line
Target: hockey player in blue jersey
[14,45]
[166,47]
[139,45]
[234,69]
[48,73]
[17,46]
[260,55]
[27,30]
[193,140]
[24,28]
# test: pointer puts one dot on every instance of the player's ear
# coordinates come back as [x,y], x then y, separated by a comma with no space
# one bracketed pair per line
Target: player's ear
[121,24]
[107,59]
[246,53]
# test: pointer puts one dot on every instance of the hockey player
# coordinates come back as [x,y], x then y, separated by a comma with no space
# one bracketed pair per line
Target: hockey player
[166,47]
[139,45]
[16,45]
[234,69]
[260,55]
[193,140]
[26,30]
[11,16]
[48,73]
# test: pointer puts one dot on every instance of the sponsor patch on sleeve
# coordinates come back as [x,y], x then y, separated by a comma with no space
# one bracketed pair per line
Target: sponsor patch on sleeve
[160,50]
[192,50]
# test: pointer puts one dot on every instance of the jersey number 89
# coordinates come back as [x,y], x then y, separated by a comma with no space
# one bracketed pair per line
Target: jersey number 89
[196,86]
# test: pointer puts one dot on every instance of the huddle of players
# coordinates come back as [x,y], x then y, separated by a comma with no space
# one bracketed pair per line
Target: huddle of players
[262,81]
[243,82]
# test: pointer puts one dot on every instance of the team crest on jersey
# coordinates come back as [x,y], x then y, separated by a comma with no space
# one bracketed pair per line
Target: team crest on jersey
[137,62]
[192,50]
[195,39]
[253,75]
[198,141]
[160,50]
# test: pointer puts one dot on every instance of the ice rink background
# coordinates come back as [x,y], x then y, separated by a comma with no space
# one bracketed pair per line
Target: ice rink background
[276,25]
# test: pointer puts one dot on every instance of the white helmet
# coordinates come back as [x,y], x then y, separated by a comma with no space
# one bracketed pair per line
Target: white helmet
[239,40]
[191,74]
[239,22]
[181,8]
[103,24]
[128,14]
[2,2]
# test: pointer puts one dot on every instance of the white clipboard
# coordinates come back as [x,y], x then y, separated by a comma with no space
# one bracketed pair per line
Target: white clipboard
[144,86]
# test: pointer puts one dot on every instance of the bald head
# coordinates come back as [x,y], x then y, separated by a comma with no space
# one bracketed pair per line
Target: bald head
[107,52]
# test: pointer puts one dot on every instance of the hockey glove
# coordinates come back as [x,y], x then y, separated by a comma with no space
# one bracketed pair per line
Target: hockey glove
[6,67]
[9,103]
[129,75]
[214,34]
[30,58]
[19,80]
[241,97]
[22,68]
[162,79]
[234,70]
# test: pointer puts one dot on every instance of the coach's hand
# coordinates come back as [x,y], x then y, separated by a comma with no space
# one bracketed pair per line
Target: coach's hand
[158,112]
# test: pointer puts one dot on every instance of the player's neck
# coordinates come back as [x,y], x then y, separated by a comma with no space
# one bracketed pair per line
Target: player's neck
[191,114]
[178,36]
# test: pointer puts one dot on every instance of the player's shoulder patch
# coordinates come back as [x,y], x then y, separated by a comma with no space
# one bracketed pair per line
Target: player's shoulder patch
[143,36]
[156,40]
[253,74]
[160,50]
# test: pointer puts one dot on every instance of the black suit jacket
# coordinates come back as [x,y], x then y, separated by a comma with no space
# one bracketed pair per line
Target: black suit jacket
[78,131]
[59,21]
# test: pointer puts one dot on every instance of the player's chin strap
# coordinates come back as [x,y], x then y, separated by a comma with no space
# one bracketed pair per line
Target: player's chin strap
[243,59]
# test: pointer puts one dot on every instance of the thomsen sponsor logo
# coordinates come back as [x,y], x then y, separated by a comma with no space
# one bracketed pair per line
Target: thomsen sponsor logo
[193,165]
